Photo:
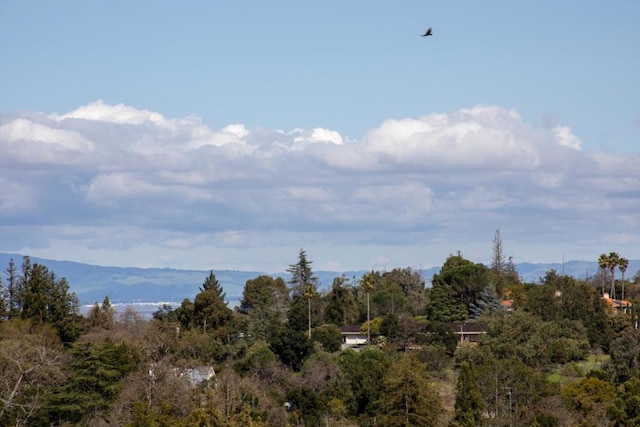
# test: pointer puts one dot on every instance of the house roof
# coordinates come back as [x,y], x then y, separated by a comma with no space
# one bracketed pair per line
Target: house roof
[508,303]
[350,329]
[468,327]
[616,302]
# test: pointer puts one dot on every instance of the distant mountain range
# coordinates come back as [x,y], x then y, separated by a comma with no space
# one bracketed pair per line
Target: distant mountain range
[126,285]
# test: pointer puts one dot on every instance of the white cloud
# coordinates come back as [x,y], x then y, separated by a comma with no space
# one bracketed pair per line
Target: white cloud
[25,130]
[482,137]
[238,130]
[120,177]
[317,135]
[26,142]
[566,138]
[121,114]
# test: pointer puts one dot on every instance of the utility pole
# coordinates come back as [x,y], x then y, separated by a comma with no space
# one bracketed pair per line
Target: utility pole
[509,394]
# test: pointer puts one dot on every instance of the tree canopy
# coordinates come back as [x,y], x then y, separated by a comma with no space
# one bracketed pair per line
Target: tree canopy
[558,354]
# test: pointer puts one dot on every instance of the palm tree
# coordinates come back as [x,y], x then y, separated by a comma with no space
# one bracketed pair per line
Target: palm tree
[309,292]
[603,264]
[368,283]
[612,263]
[623,263]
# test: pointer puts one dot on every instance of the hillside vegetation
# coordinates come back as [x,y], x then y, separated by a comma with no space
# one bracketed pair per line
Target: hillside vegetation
[558,352]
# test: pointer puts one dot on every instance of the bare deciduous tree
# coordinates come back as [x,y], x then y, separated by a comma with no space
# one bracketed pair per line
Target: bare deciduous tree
[30,361]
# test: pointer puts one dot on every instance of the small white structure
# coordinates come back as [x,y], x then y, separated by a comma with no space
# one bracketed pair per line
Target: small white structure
[351,336]
[197,375]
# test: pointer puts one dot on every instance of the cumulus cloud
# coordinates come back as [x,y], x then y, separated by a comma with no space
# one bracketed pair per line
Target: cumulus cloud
[477,138]
[27,142]
[567,138]
[122,114]
[316,135]
[446,177]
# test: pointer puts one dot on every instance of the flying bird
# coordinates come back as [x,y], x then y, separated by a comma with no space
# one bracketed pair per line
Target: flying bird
[428,33]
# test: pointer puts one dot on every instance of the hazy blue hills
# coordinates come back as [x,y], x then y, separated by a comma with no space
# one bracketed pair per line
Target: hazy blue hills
[129,284]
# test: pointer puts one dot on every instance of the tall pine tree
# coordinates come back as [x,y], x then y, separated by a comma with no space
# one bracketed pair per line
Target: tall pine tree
[209,308]
[304,285]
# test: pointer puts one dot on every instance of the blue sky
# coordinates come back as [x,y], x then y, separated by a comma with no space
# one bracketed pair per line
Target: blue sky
[231,134]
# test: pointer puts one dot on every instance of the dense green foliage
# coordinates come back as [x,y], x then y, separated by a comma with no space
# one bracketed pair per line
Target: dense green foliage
[468,406]
[95,374]
[553,353]
[408,398]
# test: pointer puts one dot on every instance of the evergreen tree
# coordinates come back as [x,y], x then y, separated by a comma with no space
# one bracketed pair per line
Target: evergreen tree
[559,297]
[290,345]
[463,279]
[264,302]
[38,286]
[498,258]
[43,298]
[302,276]
[626,408]
[443,307]
[328,336]
[438,334]
[96,372]
[389,297]
[298,315]
[407,289]
[102,316]
[342,307]
[409,399]
[365,371]
[468,406]
[3,300]
[165,314]
[511,391]
[185,314]
[306,405]
[304,284]
[210,311]
[21,286]
[264,294]
[503,270]
[213,285]
[625,357]
[13,308]
[511,273]
[487,303]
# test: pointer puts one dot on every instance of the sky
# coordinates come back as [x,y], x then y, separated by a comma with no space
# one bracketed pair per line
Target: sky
[230,135]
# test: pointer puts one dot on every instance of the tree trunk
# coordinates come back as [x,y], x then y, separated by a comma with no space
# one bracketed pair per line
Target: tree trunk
[368,321]
[309,310]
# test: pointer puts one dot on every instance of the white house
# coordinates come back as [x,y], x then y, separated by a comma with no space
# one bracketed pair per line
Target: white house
[351,336]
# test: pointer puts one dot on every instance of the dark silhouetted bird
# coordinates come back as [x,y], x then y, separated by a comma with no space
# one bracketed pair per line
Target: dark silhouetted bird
[428,33]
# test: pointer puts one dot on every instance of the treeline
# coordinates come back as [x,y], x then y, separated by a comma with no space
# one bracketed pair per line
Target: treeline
[553,353]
